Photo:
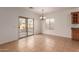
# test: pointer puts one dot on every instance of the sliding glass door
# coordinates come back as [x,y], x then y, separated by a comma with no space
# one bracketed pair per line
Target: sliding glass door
[25,27]
[22,27]
[30,27]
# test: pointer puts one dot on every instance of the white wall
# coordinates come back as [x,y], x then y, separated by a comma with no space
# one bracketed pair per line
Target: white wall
[9,21]
[62,26]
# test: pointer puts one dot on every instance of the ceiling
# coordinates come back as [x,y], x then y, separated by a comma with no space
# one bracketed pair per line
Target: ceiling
[38,10]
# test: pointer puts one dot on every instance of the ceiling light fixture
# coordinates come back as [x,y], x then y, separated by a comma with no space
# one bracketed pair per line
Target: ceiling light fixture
[42,17]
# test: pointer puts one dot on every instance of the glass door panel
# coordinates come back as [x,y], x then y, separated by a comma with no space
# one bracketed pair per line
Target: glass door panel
[22,27]
[30,27]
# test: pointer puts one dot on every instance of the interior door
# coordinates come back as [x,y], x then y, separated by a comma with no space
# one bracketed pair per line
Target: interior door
[22,27]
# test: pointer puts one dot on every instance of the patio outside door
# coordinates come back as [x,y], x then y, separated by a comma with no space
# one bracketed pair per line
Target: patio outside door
[30,26]
[25,27]
[22,27]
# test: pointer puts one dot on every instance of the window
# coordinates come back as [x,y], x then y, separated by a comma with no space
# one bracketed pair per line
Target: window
[50,23]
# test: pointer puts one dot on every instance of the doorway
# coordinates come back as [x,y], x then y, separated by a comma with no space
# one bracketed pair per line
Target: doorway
[25,27]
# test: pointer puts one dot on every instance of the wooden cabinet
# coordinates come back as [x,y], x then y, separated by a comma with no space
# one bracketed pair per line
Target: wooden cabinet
[75,33]
[75,17]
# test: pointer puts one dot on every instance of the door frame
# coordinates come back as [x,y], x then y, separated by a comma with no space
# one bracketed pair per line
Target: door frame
[33,26]
[19,26]
[26,27]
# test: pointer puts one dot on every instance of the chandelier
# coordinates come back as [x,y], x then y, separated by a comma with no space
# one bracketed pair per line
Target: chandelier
[42,17]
